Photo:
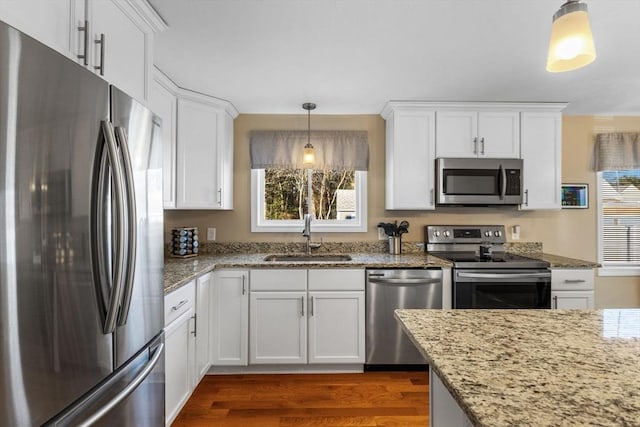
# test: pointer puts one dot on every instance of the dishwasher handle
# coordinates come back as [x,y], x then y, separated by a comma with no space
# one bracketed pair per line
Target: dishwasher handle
[407,281]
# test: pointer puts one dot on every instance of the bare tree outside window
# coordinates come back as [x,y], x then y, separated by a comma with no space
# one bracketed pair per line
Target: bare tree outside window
[285,194]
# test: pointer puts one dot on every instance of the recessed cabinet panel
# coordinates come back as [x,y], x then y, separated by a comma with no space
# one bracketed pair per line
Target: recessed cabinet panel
[456,134]
[336,327]
[499,134]
[278,328]
[197,154]
[410,156]
[541,146]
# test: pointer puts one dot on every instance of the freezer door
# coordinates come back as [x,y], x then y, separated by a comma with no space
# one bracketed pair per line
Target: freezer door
[52,348]
[133,396]
[141,312]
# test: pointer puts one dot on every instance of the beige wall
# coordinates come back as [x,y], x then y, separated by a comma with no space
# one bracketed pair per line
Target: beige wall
[568,232]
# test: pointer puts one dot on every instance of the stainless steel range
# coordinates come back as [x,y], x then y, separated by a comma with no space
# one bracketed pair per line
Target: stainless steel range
[484,275]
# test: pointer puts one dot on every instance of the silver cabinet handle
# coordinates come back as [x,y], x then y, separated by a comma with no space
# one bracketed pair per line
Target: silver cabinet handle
[302,305]
[100,67]
[574,281]
[526,197]
[220,197]
[555,301]
[85,49]
[482,145]
[180,304]
[431,196]
[475,145]
[243,285]
[195,325]
[311,307]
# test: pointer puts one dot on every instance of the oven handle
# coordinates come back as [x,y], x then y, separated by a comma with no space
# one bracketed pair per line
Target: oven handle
[504,275]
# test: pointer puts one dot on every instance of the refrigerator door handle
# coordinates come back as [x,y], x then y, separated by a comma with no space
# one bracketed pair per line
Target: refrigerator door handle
[130,261]
[118,263]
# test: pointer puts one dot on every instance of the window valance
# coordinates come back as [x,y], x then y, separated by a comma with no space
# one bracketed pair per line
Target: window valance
[617,151]
[337,150]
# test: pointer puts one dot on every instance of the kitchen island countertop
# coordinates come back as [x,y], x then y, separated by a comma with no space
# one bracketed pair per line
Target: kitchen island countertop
[534,367]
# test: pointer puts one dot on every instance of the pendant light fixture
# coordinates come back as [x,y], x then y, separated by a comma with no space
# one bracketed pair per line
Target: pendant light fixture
[571,44]
[309,155]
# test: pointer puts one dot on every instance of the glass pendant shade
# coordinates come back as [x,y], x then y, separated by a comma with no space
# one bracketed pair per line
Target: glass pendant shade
[571,45]
[309,156]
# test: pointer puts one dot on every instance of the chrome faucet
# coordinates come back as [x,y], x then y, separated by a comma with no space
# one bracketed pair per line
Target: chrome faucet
[307,233]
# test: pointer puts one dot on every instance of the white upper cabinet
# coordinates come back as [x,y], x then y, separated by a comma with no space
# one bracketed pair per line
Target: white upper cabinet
[163,102]
[410,155]
[491,134]
[541,147]
[112,38]
[55,23]
[204,152]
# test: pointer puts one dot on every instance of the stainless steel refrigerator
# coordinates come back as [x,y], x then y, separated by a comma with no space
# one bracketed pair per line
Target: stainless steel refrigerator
[81,258]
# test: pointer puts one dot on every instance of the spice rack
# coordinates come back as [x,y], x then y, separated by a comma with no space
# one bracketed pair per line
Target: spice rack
[184,242]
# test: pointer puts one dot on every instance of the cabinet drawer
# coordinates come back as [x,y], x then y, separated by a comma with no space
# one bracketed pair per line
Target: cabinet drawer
[179,301]
[572,279]
[336,280]
[278,280]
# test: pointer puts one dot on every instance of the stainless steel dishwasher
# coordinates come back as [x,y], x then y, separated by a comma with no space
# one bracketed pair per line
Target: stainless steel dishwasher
[386,291]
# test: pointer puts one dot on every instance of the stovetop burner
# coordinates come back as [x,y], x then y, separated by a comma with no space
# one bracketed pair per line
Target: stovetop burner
[462,244]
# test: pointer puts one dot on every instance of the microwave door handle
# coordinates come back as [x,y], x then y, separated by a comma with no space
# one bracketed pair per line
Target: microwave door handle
[503,182]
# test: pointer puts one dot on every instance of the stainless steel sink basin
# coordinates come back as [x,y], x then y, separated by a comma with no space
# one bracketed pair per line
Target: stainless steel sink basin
[307,257]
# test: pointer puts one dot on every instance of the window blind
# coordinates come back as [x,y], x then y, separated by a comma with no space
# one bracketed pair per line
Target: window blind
[620,217]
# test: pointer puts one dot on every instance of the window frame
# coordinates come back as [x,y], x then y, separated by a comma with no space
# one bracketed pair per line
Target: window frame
[609,269]
[261,225]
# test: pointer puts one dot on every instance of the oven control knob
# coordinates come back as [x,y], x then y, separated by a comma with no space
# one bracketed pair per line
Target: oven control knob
[487,233]
[447,233]
[497,234]
[436,233]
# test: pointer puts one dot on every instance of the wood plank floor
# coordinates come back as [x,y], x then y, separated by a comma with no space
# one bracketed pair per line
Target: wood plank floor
[376,399]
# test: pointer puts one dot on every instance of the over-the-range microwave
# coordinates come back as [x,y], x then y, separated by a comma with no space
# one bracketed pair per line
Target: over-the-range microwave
[478,181]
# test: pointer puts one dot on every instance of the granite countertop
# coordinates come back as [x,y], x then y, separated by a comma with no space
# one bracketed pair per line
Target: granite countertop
[178,272]
[535,367]
[557,261]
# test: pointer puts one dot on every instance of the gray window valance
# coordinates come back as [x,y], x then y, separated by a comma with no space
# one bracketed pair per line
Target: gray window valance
[338,150]
[617,151]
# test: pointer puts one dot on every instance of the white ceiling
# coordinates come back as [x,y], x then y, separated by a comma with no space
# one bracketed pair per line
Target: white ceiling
[352,56]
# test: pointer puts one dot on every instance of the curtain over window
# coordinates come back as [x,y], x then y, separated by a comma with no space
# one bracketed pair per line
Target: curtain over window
[335,150]
[617,151]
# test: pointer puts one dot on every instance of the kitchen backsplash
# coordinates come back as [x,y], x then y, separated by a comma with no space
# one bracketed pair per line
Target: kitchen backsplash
[337,247]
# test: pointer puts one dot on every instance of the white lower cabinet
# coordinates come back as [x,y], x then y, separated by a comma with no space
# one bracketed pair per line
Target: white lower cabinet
[229,333]
[202,322]
[572,289]
[307,316]
[278,327]
[179,349]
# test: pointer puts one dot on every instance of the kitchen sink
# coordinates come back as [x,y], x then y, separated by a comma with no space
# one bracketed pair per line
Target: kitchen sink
[307,257]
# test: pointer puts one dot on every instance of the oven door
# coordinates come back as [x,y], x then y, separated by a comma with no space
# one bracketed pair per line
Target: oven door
[502,288]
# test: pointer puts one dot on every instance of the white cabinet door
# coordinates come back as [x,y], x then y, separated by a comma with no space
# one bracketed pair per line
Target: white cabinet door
[230,318]
[122,56]
[491,134]
[410,155]
[499,134]
[541,145]
[572,300]
[198,186]
[178,365]
[456,134]
[53,22]
[336,327]
[278,328]
[163,102]
[204,284]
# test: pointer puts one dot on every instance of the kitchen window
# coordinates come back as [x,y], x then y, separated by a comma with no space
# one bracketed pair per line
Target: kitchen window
[334,192]
[619,222]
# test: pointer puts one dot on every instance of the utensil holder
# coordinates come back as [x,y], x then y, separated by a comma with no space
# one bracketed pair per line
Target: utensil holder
[395,245]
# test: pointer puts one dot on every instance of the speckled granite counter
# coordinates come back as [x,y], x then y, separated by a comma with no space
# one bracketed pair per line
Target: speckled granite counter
[178,272]
[556,261]
[535,367]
